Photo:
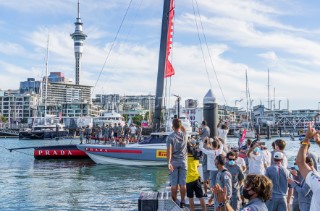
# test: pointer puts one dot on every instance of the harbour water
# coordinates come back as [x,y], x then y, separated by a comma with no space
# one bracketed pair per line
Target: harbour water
[29,184]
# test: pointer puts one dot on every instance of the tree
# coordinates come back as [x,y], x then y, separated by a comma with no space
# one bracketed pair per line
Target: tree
[137,119]
[3,119]
[125,116]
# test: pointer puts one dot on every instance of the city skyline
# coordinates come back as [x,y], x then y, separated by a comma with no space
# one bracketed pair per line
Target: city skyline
[248,35]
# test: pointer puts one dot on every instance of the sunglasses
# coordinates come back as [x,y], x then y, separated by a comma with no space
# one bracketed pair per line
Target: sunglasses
[232,159]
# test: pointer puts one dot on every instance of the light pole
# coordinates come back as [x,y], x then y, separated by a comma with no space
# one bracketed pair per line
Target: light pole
[178,99]
[279,104]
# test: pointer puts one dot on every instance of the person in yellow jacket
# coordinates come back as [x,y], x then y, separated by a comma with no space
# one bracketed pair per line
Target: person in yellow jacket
[193,179]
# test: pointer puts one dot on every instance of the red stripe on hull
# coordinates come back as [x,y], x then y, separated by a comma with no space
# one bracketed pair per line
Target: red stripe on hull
[126,151]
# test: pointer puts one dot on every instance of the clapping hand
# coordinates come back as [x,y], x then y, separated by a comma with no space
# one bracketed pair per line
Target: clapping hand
[221,194]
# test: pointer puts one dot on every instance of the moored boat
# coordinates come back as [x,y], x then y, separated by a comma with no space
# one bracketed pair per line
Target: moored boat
[44,128]
[58,152]
[150,152]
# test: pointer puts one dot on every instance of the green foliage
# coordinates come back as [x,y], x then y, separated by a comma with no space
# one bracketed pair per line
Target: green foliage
[146,116]
[137,119]
[125,116]
[3,119]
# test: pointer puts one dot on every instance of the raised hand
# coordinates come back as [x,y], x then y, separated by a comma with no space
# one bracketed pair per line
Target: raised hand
[311,132]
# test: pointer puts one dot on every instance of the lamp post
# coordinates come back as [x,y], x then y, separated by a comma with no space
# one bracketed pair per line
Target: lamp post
[178,111]
[279,104]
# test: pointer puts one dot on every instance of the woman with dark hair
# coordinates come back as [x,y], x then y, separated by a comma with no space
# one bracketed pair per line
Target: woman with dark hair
[257,189]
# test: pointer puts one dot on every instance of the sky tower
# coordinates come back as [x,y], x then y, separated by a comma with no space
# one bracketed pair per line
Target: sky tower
[78,37]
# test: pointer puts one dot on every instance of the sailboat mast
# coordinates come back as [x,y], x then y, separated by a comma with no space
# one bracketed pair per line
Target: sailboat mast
[247,95]
[268,90]
[161,65]
[46,80]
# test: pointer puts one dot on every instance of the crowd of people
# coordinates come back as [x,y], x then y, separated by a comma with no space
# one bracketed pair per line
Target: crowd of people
[110,134]
[248,177]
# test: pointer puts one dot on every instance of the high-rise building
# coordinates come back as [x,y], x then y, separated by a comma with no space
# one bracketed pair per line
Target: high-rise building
[78,36]
[30,86]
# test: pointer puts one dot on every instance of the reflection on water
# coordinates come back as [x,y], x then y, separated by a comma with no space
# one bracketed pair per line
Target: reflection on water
[28,184]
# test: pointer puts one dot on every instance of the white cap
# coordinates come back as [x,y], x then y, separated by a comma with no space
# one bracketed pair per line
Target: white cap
[211,140]
[278,155]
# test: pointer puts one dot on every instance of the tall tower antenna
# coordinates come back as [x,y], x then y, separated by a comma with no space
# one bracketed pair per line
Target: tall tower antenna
[78,37]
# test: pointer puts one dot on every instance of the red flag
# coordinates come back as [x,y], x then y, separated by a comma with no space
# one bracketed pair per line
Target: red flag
[242,137]
[169,71]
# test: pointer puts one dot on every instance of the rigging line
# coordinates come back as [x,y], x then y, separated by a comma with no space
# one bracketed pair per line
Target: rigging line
[205,39]
[133,19]
[112,45]
[205,63]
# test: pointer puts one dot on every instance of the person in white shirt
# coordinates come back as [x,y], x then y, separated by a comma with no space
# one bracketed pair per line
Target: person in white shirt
[267,155]
[257,160]
[223,131]
[240,161]
[211,154]
[133,131]
[312,178]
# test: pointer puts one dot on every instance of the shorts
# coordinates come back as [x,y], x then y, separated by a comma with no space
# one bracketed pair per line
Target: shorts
[205,174]
[178,176]
[213,177]
[194,187]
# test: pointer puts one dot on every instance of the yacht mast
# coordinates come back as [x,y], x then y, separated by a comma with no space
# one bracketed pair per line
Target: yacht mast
[161,65]
[46,81]
[247,96]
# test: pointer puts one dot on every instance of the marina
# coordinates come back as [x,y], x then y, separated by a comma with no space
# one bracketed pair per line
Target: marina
[70,141]
[79,184]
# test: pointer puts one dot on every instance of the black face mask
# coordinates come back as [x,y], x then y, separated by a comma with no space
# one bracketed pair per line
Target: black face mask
[246,194]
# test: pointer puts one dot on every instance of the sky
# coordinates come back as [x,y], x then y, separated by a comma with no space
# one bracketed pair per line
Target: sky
[214,43]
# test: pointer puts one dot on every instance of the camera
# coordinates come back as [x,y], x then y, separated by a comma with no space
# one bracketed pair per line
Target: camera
[194,149]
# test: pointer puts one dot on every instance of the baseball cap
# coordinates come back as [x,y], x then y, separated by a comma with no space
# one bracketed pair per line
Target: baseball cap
[278,155]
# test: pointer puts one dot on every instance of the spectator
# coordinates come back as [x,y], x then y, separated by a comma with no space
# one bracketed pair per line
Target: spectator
[211,153]
[177,160]
[296,178]
[303,189]
[280,145]
[224,178]
[312,178]
[223,130]
[204,131]
[126,130]
[256,159]
[206,145]
[133,132]
[193,179]
[81,132]
[240,161]
[88,134]
[267,154]
[279,177]
[237,178]
[115,131]
[257,189]
[119,130]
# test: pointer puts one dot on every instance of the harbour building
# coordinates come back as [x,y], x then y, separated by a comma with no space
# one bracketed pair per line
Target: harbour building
[68,100]
[17,107]
[30,86]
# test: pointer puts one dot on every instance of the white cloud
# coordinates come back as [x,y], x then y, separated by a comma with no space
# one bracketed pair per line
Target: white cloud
[241,35]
